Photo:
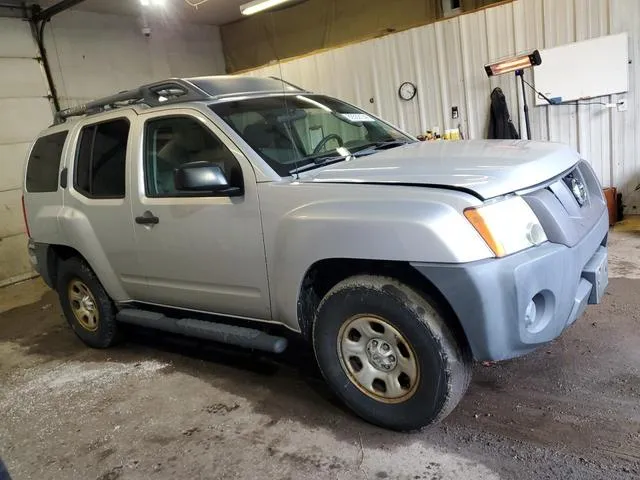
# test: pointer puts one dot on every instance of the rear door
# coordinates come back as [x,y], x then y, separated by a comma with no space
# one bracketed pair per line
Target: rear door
[96,218]
[205,252]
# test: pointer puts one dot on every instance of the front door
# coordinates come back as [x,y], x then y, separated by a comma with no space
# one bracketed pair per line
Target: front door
[199,252]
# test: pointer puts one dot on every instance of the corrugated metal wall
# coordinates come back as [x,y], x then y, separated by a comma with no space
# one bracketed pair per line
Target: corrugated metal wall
[446,60]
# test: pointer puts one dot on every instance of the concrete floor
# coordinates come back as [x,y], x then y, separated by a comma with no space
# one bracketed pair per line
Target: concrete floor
[163,407]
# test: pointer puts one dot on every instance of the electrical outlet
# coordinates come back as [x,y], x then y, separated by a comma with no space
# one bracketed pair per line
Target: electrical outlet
[454,112]
[622,105]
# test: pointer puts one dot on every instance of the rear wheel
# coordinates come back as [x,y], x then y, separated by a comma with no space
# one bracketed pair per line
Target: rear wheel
[388,353]
[86,305]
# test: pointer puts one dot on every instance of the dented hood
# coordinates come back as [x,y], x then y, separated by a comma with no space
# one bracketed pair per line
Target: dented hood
[487,168]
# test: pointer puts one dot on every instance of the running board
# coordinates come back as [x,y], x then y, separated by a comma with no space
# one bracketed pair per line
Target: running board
[218,332]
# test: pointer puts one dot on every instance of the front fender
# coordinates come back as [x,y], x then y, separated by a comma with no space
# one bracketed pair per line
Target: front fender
[398,230]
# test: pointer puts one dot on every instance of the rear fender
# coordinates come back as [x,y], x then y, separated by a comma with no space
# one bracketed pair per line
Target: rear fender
[80,235]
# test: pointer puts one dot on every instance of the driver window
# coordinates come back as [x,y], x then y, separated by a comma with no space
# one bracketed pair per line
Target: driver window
[173,141]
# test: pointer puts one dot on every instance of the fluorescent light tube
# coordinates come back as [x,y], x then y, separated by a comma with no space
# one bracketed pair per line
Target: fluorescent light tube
[259,6]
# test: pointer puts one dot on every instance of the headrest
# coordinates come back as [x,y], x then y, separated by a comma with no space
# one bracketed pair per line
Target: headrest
[259,135]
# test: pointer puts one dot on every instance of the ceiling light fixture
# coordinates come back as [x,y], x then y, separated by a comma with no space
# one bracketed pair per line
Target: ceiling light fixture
[195,3]
[260,5]
[155,3]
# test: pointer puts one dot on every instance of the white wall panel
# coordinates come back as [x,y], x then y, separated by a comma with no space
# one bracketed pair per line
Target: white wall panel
[562,120]
[452,84]
[624,16]
[23,118]
[14,261]
[12,157]
[501,43]
[91,55]
[11,220]
[474,49]
[94,55]
[428,81]
[591,23]
[193,51]
[445,61]
[22,77]
[24,111]
[15,39]
[528,33]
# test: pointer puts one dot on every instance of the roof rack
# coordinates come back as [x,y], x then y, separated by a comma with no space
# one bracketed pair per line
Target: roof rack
[154,94]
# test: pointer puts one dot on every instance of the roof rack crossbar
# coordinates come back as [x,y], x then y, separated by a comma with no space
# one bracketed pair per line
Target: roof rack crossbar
[153,95]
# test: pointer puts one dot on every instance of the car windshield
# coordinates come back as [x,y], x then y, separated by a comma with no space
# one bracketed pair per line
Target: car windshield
[300,132]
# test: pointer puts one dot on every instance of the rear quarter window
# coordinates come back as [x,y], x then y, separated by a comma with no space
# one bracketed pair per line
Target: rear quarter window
[44,163]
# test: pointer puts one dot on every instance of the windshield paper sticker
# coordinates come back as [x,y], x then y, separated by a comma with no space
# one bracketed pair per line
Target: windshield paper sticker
[357,117]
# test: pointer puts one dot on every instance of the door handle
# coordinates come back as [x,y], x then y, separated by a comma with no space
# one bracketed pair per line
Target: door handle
[147,218]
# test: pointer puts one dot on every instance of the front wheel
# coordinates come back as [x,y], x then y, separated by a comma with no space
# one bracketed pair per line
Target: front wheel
[388,353]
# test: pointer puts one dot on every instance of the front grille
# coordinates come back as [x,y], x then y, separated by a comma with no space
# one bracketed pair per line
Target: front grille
[576,185]
[568,207]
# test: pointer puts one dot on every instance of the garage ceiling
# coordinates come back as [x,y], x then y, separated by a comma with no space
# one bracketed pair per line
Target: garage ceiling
[212,12]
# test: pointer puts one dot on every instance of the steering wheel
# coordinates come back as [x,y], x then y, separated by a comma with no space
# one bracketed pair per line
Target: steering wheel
[325,140]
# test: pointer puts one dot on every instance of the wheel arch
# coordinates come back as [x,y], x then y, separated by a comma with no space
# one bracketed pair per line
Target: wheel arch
[324,274]
[58,253]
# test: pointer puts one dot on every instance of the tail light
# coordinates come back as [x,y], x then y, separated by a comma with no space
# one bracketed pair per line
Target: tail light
[24,215]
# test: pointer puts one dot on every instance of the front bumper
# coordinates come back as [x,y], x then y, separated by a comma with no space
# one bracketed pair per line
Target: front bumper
[491,297]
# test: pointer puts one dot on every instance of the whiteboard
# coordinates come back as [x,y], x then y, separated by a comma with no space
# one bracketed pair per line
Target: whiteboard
[588,69]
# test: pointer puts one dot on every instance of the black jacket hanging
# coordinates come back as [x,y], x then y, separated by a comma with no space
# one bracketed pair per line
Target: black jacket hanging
[500,124]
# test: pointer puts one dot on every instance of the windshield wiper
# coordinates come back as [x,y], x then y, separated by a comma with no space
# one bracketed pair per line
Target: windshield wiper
[327,159]
[383,145]
[320,162]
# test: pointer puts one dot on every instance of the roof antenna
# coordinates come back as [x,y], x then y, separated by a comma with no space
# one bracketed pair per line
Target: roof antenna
[286,123]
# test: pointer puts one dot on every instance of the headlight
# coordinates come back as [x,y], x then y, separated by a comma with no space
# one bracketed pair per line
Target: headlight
[507,226]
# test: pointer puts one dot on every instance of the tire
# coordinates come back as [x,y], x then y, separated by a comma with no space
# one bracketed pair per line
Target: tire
[438,366]
[76,279]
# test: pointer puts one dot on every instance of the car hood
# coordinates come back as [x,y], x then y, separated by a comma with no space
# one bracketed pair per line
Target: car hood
[488,168]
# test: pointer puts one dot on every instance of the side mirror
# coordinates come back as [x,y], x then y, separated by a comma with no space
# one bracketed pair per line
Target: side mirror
[203,177]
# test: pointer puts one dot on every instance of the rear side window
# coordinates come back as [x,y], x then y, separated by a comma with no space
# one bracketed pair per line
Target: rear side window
[101,160]
[44,163]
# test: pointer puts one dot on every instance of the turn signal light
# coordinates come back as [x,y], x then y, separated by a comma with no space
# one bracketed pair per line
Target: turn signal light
[475,218]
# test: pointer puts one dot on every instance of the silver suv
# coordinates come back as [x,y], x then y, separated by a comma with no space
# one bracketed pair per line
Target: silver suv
[226,208]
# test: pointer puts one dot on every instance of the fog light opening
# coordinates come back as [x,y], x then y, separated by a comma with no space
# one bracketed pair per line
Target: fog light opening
[530,314]
[537,313]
